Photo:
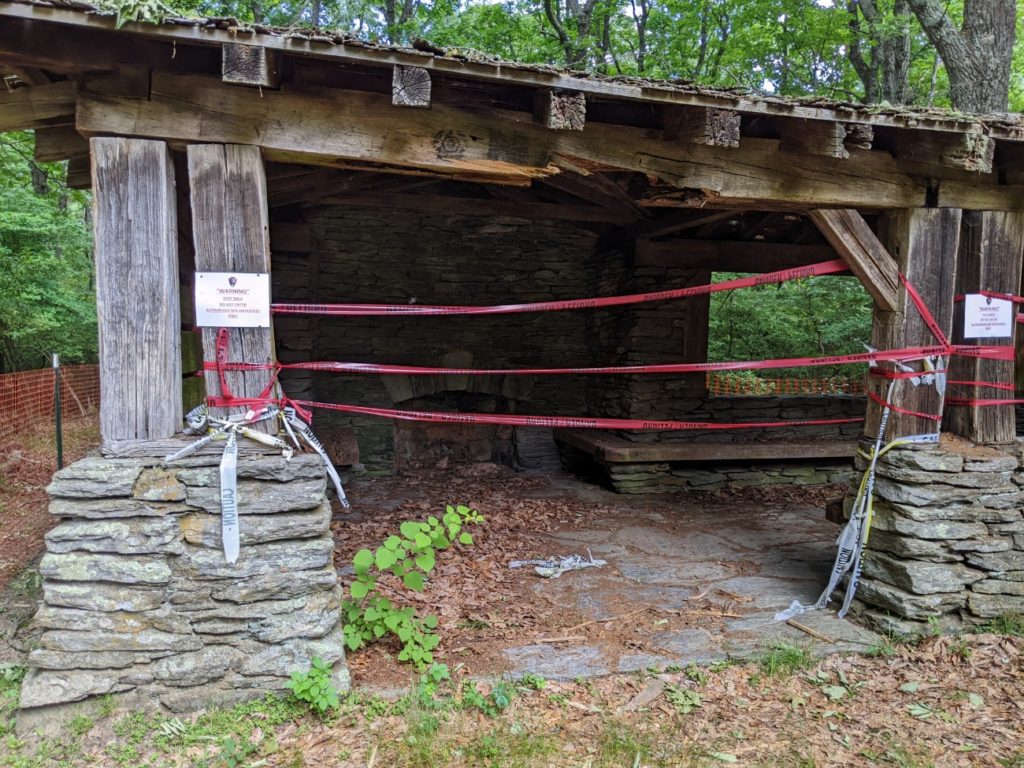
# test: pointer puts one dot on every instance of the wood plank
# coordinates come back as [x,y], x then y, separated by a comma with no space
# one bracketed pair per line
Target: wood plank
[79,173]
[410,86]
[467,206]
[678,223]
[987,197]
[860,248]
[363,126]
[135,228]
[615,450]
[39,106]
[972,152]
[62,143]
[253,65]
[560,110]
[702,125]
[729,255]
[991,249]
[924,242]
[290,237]
[231,234]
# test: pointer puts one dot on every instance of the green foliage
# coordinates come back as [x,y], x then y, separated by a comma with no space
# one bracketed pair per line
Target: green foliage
[815,317]
[491,704]
[410,557]
[315,687]
[150,11]
[46,272]
[683,700]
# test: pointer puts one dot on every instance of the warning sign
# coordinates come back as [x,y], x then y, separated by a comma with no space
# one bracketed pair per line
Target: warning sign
[233,299]
[987,318]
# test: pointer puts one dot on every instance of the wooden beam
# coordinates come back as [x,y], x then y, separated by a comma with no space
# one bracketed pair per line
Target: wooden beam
[469,206]
[61,143]
[410,86]
[924,243]
[977,197]
[136,247]
[362,126]
[972,152]
[991,249]
[39,106]
[560,110]
[814,137]
[230,233]
[729,255]
[252,65]
[859,247]
[709,126]
[859,136]
[679,223]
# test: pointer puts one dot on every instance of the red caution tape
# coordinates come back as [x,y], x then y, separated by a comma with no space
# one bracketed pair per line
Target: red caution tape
[993,295]
[925,313]
[962,401]
[570,422]
[897,409]
[362,310]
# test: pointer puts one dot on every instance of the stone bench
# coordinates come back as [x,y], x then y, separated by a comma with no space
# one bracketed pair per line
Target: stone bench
[633,467]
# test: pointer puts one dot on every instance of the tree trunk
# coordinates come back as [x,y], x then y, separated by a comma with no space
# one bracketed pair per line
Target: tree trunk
[977,56]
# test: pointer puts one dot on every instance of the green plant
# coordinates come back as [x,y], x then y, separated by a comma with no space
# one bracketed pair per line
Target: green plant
[491,704]
[1011,624]
[315,687]
[410,557]
[81,725]
[783,659]
[682,699]
[533,682]
[696,674]
[152,11]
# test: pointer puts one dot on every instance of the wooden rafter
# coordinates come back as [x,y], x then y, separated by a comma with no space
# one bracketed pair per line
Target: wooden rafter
[861,249]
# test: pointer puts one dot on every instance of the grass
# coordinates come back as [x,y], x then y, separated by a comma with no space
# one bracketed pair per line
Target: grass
[783,660]
[1009,624]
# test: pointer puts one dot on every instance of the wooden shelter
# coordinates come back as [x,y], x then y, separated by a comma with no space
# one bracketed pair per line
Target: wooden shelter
[206,141]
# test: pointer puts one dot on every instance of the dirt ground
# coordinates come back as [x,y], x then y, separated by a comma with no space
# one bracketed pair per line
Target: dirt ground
[687,577]
[27,462]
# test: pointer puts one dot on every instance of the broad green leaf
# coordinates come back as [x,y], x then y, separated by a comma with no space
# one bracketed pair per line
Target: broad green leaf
[362,561]
[465,538]
[425,562]
[409,528]
[413,581]
[358,589]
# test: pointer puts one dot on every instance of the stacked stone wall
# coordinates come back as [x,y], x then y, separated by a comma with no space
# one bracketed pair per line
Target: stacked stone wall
[947,542]
[137,595]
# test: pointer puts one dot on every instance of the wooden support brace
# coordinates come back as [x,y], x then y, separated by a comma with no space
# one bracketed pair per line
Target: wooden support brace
[410,86]
[39,106]
[861,249]
[253,65]
[924,243]
[137,289]
[815,137]
[708,126]
[560,110]
[230,234]
[989,259]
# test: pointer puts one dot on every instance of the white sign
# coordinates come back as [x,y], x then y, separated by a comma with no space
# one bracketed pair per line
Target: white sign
[233,299]
[987,318]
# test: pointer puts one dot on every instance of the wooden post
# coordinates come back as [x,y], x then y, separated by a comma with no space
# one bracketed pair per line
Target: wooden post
[924,243]
[135,220]
[991,245]
[230,231]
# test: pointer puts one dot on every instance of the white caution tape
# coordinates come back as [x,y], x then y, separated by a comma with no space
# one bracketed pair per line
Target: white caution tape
[229,499]
[306,432]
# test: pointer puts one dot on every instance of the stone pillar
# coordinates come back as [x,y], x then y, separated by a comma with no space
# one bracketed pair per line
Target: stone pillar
[137,595]
[947,539]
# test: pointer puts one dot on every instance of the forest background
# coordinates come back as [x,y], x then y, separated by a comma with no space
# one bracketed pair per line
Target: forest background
[965,55]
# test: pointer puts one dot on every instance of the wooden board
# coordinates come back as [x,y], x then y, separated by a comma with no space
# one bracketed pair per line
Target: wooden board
[991,248]
[360,126]
[858,246]
[230,232]
[61,143]
[924,242]
[615,450]
[136,289]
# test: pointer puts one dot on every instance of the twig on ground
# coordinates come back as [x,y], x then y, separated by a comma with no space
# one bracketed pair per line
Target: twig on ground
[812,632]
